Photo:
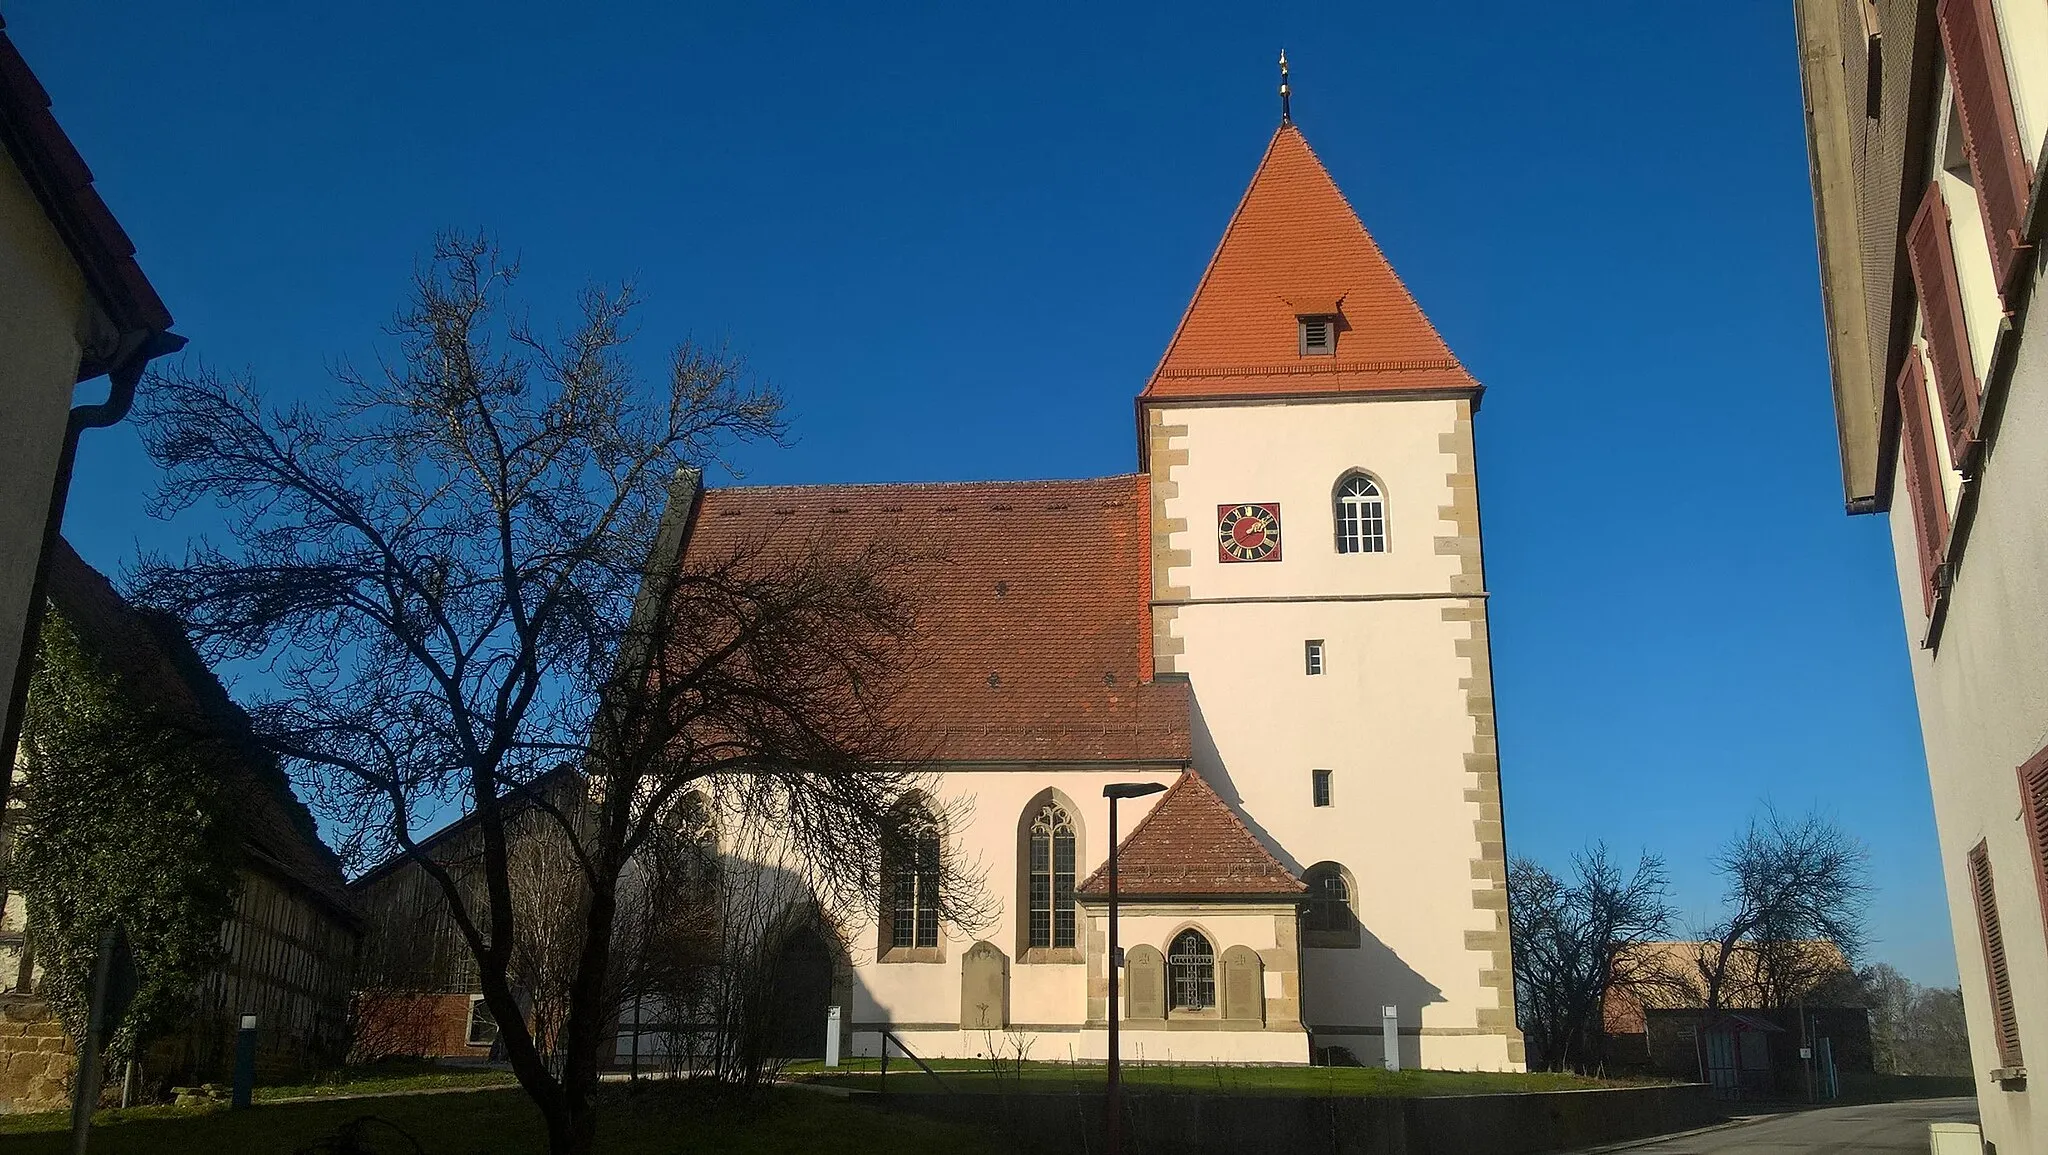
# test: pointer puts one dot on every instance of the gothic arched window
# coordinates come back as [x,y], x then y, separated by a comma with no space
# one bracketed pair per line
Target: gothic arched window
[913,874]
[1361,515]
[1052,878]
[1191,972]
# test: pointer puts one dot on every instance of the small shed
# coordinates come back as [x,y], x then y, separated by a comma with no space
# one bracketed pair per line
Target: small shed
[1737,1048]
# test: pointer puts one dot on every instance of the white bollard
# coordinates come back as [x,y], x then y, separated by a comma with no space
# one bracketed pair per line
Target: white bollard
[1390,1036]
[831,1036]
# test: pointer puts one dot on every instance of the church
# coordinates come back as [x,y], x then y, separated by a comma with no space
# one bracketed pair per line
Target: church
[1280,617]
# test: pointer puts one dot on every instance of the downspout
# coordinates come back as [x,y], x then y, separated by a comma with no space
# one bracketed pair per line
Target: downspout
[122,380]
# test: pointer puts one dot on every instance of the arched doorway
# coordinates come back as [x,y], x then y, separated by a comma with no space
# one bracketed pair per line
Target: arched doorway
[802,989]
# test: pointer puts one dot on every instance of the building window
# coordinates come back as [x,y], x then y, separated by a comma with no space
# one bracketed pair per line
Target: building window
[1318,336]
[1328,920]
[1052,878]
[1312,653]
[914,887]
[1319,787]
[1990,156]
[2034,812]
[1191,966]
[1990,937]
[1918,461]
[1361,516]
[483,1029]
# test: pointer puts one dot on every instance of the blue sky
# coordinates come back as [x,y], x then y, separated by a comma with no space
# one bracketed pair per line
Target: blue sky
[915,220]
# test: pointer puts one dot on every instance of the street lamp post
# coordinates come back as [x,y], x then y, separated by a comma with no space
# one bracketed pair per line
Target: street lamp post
[1116,791]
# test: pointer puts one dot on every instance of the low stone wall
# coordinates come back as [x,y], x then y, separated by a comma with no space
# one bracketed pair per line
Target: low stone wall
[1199,1124]
[35,1056]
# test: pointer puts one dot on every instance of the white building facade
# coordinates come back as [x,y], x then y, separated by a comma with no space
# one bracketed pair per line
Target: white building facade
[1926,125]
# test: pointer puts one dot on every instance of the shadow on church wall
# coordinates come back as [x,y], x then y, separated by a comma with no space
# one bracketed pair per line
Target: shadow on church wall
[1209,763]
[1341,987]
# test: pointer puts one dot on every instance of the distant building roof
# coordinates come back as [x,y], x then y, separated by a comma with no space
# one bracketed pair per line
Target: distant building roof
[1033,604]
[148,652]
[1192,843]
[561,786]
[1295,248]
[1674,980]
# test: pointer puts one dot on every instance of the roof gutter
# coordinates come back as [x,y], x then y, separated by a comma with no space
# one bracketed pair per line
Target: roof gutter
[131,329]
[137,349]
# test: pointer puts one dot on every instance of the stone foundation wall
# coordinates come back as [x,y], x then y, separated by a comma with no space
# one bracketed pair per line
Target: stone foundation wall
[36,1061]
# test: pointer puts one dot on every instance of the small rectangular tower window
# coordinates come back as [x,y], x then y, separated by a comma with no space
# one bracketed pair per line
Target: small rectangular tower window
[1319,787]
[1318,336]
[1312,654]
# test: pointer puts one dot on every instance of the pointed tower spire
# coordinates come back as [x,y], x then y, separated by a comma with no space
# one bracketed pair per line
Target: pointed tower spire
[1295,263]
[1286,114]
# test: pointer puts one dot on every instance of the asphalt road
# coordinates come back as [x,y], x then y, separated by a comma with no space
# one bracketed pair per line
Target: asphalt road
[1877,1129]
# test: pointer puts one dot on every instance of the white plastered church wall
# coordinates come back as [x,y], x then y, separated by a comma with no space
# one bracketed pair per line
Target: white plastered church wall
[1389,717]
[921,1001]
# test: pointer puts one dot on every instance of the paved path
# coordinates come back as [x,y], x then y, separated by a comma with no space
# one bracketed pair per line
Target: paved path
[1878,1129]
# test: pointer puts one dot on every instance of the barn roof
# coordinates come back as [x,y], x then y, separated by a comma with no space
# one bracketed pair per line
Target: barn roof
[148,653]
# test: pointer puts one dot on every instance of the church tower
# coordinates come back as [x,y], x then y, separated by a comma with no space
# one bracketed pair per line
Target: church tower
[1317,579]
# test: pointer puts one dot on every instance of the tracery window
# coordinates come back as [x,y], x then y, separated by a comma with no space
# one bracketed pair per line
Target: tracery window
[1052,878]
[1191,972]
[1361,516]
[914,908]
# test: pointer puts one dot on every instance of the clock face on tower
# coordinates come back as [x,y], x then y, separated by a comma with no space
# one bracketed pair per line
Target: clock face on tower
[1248,532]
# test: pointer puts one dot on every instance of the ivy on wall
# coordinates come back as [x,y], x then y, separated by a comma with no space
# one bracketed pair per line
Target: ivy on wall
[124,822]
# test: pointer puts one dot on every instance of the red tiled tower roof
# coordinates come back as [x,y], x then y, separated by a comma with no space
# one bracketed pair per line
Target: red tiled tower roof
[1294,248]
[1032,604]
[1193,843]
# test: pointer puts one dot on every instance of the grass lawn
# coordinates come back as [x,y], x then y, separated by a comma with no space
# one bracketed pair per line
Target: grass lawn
[501,1122]
[971,1075]
[386,1077]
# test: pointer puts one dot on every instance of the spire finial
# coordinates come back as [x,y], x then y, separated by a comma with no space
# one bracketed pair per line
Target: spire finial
[1286,115]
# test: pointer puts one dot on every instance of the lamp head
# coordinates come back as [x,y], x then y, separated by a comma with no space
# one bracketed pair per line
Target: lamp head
[1132,789]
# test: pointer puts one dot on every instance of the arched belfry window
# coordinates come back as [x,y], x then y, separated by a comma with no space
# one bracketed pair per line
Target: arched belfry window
[1361,515]
[1052,878]
[1191,972]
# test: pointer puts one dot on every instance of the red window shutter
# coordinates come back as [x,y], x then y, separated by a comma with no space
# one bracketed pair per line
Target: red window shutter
[1923,477]
[2034,810]
[2007,1022]
[1941,309]
[1991,135]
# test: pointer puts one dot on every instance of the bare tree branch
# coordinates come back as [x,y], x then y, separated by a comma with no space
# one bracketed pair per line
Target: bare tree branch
[463,572]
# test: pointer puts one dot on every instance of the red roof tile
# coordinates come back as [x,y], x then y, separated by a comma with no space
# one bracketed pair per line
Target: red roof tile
[1294,247]
[1033,617]
[1193,843]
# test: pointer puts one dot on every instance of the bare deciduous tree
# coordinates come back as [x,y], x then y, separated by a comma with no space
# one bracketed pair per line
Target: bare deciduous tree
[465,570]
[1914,1030]
[1574,941]
[1794,910]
